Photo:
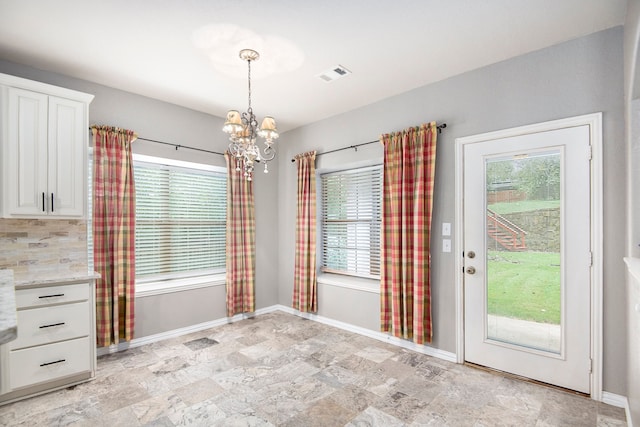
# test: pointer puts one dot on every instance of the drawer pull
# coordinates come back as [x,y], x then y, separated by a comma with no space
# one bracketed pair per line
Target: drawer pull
[51,296]
[53,363]
[52,325]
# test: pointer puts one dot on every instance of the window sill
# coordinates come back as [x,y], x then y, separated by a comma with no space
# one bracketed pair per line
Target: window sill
[178,285]
[350,282]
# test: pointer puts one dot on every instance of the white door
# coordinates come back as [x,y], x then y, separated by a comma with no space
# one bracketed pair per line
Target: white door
[527,255]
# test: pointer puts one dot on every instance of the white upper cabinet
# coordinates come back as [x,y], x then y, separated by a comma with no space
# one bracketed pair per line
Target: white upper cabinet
[44,146]
[25,152]
[67,157]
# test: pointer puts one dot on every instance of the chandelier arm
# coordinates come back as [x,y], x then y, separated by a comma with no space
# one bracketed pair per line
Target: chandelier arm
[269,153]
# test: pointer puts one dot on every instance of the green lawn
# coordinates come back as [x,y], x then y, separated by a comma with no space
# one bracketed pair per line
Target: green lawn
[523,206]
[524,285]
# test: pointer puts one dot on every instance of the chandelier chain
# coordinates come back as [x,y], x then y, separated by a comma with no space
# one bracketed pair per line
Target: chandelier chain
[249,79]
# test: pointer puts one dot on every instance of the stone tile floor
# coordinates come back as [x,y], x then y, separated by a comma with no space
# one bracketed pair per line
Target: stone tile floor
[279,369]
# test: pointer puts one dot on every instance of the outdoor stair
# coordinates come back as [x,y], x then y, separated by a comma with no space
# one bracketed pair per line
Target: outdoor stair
[505,233]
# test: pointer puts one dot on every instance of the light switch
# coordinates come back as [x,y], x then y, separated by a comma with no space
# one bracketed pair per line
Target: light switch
[446,245]
[446,229]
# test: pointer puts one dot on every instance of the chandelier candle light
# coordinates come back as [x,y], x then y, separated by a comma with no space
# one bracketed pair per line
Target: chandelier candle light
[243,130]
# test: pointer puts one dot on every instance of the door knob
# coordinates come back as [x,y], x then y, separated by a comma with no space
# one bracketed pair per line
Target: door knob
[471,254]
[471,270]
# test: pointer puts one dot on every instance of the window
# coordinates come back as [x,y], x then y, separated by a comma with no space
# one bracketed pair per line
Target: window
[180,219]
[351,216]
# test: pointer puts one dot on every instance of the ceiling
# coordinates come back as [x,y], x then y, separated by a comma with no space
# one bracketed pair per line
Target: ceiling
[186,51]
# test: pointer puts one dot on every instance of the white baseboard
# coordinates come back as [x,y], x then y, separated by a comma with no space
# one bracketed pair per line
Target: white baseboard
[619,401]
[137,342]
[380,336]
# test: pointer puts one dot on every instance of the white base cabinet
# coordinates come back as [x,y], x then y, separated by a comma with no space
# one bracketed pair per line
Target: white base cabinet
[55,346]
[44,143]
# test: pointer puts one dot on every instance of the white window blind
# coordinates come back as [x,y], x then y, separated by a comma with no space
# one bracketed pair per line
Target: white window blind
[351,215]
[180,221]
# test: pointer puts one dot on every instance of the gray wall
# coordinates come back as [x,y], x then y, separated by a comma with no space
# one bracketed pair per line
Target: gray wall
[632,120]
[162,121]
[632,110]
[578,77]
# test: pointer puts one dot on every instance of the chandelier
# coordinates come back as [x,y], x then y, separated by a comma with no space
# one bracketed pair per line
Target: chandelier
[243,130]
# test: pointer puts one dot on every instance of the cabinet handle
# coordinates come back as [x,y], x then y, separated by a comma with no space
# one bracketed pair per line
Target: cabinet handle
[53,363]
[51,296]
[51,202]
[52,325]
[43,205]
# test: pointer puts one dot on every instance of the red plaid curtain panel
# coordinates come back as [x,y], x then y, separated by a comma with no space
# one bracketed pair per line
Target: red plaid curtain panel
[114,216]
[408,177]
[241,240]
[305,287]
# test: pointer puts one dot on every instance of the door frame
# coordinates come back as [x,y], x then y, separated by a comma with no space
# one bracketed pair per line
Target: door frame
[594,121]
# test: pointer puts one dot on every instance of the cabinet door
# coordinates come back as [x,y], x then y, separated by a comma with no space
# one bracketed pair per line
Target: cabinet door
[26,153]
[67,153]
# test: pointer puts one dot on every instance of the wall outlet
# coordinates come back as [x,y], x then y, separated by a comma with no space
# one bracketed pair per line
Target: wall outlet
[446,229]
[446,245]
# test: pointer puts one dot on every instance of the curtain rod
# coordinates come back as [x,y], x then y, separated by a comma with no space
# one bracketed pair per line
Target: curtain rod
[355,147]
[176,145]
[181,146]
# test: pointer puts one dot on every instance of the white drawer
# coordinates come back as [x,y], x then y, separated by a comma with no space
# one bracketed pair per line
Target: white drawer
[45,325]
[35,297]
[49,362]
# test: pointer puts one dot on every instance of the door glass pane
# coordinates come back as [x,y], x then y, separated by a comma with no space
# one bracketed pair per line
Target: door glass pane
[523,250]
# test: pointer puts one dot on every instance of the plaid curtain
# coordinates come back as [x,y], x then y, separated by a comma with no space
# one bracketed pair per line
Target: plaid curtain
[114,216]
[241,240]
[305,289]
[409,170]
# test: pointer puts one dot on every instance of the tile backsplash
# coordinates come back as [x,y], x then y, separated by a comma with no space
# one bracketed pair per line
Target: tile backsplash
[29,246]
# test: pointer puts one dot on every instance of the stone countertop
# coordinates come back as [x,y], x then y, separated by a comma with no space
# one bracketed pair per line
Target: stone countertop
[8,317]
[50,278]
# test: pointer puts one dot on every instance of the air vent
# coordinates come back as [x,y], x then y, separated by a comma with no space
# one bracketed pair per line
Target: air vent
[334,73]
